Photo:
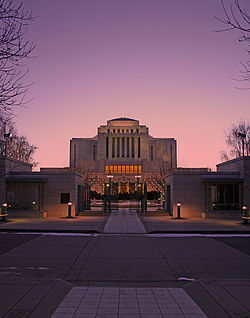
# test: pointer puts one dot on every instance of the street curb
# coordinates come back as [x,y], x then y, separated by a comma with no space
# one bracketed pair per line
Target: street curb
[50,231]
[199,232]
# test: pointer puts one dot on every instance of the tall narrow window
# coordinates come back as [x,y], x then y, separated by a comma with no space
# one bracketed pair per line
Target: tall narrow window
[128,152]
[133,147]
[171,156]
[94,152]
[118,147]
[123,146]
[139,147]
[107,147]
[74,156]
[151,153]
[113,147]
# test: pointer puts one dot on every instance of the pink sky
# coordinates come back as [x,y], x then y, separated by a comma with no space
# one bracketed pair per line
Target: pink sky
[157,61]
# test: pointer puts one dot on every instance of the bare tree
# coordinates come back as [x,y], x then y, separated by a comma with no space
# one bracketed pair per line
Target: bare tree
[157,179]
[14,50]
[236,17]
[236,136]
[12,144]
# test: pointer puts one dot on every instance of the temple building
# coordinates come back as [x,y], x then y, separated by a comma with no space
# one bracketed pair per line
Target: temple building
[124,150]
[124,162]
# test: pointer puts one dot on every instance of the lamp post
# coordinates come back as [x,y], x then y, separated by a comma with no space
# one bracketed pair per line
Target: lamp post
[242,136]
[138,195]
[178,210]
[109,192]
[6,137]
[144,200]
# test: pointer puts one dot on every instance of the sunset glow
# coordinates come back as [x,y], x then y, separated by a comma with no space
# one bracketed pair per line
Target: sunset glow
[157,61]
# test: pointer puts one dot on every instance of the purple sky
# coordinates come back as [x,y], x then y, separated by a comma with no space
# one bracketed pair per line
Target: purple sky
[158,61]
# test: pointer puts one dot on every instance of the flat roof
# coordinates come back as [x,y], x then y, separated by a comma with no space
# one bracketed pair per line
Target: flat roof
[222,178]
[32,178]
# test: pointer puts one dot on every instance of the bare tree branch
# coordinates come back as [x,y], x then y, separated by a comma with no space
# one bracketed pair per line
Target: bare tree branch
[237,18]
[14,50]
[234,142]
[16,146]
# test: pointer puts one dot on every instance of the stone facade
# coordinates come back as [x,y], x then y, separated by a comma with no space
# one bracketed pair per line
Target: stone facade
[208,194]
[242,166]
[38,194]
[8,165]
[124,149]
[61,182]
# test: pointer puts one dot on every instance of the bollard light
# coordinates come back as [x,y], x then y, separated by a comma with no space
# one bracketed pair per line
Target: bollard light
[4,205]
[245,210]
[178,210]
[69,210]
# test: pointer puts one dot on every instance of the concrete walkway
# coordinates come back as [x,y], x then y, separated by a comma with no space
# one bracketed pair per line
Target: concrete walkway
[124,221]
[99,302]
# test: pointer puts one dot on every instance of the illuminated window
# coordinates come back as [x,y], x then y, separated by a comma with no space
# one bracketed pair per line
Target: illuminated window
[127,169]
[119,169]
[135,169]
[123,169]
[115,169]
[106,169]
[139,169]
[111,169]
[131,169]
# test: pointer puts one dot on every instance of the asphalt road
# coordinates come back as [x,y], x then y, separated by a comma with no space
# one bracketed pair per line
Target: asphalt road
[36,271]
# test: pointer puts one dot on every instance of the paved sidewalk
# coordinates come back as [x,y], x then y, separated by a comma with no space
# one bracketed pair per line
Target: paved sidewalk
[124,221]
[99,302]
[168,224]
[56,224]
